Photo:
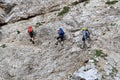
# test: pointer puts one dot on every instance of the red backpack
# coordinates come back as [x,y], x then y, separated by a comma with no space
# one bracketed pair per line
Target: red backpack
[30,29]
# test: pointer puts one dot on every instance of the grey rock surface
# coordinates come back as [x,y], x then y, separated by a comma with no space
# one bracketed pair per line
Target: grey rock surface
[21,60]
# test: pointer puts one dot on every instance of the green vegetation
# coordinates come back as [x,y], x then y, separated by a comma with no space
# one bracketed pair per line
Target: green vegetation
[86,2]
[38,24]
[113,72]
[75,3]
[3,46]
[80,1]
[98,53]
[18,32]
[111,2]
[113,24]
[97,20]
[65,10]
[104,33]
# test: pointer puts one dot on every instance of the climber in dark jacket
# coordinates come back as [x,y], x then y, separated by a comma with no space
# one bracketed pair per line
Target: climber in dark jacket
[60,38]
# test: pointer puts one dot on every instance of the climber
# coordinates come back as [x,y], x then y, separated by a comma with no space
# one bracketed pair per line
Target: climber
[31,33]
[60,38]
[85,33]
[85,38]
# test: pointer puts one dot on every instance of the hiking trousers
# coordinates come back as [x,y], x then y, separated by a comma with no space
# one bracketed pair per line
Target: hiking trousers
[61,37]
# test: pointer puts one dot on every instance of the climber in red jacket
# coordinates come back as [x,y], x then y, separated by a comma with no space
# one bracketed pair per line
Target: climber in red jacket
[31,33]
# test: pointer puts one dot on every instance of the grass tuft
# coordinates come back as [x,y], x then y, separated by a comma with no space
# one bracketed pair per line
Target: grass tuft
[98,53]
[64,11]
[113,72]
[75,3]
[3,46]
[38,24]
[111,2]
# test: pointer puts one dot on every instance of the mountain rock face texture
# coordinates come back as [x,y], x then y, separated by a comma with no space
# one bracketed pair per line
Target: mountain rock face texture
[15,10]
[22,60]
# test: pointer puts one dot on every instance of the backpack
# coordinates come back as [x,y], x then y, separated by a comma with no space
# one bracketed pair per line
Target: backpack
[61,32]
[30,29]
[85,34]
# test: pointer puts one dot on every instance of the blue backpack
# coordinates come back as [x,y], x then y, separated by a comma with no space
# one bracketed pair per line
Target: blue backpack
[61,32]
[85,34]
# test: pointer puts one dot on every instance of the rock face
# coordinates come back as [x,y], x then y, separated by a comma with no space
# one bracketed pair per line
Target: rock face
[21,60]
[88,72]
[23,9]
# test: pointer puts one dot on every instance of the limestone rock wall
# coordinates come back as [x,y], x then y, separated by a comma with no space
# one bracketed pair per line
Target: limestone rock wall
[21,60]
